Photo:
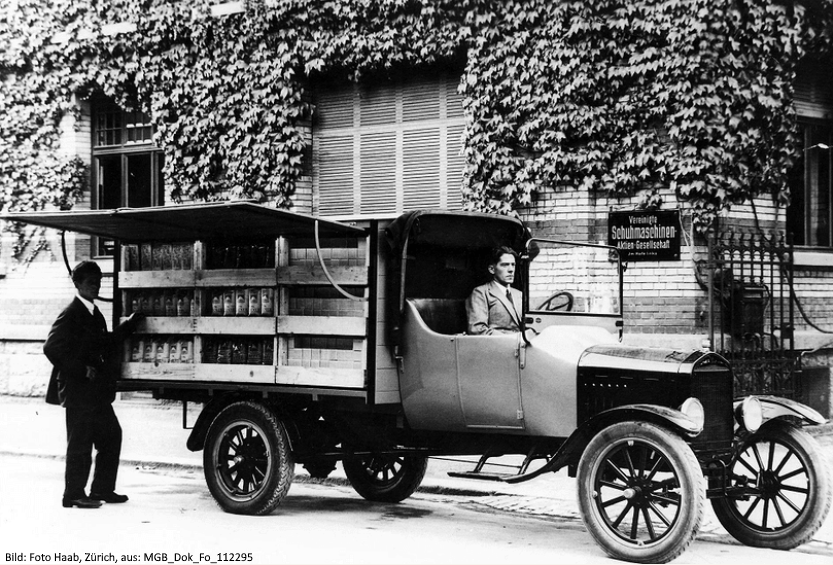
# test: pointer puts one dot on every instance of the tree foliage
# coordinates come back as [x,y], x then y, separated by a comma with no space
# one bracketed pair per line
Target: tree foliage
[609,96]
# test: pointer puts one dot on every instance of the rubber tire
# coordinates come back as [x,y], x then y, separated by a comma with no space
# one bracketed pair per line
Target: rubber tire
[684,525]
[275,470]
[813,510]
[364,475]
[320,469]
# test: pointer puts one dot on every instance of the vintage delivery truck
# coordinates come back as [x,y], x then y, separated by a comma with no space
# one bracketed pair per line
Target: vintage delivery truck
[308,341]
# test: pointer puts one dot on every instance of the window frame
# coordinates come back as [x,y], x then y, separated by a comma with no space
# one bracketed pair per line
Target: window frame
[804,234]
[125,149]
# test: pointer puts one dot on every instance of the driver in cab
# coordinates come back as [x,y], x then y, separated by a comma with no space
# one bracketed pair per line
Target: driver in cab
[494,307]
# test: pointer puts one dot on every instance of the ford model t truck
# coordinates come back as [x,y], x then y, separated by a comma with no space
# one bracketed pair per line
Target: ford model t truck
[310,341]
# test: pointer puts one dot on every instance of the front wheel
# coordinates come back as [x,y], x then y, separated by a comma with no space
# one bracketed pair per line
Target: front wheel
[247,461]
[385,478]
[787,489]
[641,492]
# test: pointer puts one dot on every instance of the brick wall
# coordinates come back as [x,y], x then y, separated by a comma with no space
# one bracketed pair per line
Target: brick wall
[664,303]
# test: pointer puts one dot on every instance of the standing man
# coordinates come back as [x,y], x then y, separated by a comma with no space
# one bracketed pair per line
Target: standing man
[85,359]
[494,307]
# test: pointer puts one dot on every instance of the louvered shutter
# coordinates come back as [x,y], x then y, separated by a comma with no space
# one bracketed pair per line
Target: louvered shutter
[421,169]
[378,172]
[387,149]
[813,91]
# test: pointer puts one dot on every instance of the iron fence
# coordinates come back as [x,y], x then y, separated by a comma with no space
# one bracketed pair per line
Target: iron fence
[751,318]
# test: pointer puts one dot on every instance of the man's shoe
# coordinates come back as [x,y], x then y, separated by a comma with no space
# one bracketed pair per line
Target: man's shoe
[80,502]
[111,497]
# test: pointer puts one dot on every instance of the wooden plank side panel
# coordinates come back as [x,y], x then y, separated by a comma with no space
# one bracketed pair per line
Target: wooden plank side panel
[235,325]
[159,371]
[314,376]
[167,325]
[235,277]
[156,279]
[322,325]
[254,374]
[314,274]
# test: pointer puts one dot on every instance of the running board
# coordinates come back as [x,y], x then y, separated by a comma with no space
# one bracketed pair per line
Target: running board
[502,477]
[519,477]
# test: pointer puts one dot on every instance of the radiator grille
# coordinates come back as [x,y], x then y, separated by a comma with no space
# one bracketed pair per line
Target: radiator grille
[712,385]
[710,382]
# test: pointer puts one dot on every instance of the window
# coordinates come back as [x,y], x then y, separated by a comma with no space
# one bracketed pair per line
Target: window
[127,167]
[388,148]
[810,215]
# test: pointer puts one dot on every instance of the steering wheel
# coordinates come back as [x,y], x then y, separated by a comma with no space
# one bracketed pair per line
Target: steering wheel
[559,301]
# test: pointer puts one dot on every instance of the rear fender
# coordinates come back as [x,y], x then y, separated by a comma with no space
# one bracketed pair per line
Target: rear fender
[196,440]
[570,451]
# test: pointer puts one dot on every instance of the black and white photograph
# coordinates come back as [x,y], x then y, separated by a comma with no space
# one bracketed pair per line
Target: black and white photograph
[416,281]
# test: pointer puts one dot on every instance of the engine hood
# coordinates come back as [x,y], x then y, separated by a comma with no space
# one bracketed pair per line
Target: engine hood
[656,360]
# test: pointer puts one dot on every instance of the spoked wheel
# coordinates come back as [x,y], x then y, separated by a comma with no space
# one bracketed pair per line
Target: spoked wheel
[385,478]
[641,492]
[247,463]
[787,487]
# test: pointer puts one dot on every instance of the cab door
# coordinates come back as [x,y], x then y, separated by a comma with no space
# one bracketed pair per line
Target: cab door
[488,377]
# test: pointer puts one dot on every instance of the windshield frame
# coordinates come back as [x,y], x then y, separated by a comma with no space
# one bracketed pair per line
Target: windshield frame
[531,251]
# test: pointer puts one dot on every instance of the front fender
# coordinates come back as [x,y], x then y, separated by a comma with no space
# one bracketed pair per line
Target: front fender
[571,450]
[775,407]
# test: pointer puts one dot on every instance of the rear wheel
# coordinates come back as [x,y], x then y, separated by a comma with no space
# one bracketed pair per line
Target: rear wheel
[247,462]
[641,492]
[788,489]
[385,478]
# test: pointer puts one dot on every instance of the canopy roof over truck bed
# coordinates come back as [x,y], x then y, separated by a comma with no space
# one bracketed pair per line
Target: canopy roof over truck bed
[186,222]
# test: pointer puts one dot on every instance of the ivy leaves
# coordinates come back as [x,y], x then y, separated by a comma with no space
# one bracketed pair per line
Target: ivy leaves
[612,97]
[627,98]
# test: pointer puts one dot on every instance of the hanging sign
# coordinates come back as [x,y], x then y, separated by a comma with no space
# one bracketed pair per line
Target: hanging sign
[642,235]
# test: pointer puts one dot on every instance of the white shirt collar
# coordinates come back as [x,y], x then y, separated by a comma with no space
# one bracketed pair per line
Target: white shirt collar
[90,306]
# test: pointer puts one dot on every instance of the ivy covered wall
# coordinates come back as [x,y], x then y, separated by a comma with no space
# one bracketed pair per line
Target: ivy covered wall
[613,97]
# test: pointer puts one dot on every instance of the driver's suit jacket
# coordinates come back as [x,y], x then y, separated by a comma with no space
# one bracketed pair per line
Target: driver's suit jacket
[489,311]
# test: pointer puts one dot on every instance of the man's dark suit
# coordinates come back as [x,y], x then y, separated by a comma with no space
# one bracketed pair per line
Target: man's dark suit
[76,341]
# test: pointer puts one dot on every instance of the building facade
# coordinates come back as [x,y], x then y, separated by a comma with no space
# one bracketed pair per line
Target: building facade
[380,148]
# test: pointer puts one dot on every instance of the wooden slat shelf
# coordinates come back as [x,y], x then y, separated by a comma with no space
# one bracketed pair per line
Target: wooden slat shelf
[235,277]
[214,372]
[309,376]
[167,325]
[306,349]
[159,371]
[235,325]
[157,279]
[322,325]
[314,275]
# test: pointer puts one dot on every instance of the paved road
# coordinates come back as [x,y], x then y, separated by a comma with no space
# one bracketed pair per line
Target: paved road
[155,443]
[172,519]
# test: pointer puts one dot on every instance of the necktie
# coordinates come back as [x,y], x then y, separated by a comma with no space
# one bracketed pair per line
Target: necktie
[509,297]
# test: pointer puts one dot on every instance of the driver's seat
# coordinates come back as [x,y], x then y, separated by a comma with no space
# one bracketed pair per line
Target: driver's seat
[442,315]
